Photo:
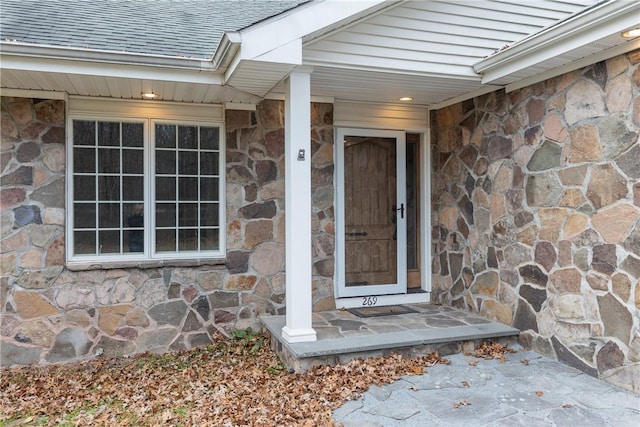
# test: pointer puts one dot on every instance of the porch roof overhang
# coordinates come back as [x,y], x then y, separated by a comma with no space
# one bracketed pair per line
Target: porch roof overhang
[592,35]
[368,51]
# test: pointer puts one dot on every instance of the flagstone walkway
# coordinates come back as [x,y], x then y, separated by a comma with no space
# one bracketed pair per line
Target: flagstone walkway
[541,393]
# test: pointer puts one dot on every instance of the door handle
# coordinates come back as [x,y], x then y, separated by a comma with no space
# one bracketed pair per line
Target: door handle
[401,209]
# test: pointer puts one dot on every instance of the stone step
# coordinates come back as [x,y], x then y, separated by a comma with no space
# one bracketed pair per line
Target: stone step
[343,336]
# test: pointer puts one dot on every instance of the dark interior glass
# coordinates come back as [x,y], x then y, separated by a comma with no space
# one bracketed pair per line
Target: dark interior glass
[132,134]
[109,134]
[84,132]
[84,160]
[165,136]
[209,138]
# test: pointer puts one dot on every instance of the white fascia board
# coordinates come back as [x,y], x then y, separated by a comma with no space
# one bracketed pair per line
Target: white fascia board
[595,23]
[575,65]
[240,106]
[227,49]
[289,53]
[105,56]
[314,98]
[91,68]
[281,30]
[482,90]
[32,93]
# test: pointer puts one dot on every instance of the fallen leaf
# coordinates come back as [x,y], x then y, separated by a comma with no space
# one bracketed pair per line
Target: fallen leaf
[465,384]
[456,405]
[412,388]
[525,362]
[567,405]
[473,362]
[539,393]
[227,383]
[492,350]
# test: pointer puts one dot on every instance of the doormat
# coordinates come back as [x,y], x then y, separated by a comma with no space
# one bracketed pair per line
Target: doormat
[388,310]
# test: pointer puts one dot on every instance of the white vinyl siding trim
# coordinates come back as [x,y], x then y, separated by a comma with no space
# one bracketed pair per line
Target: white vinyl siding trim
[380,116]
[437,37]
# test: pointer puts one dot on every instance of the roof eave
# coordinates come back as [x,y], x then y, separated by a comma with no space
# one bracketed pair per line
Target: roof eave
[226,50]
[103,56]
[599,21]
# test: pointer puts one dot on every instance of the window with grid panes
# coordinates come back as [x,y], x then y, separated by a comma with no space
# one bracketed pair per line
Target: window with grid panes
[145,189]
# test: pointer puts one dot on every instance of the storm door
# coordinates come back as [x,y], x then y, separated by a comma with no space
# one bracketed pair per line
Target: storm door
[371,217]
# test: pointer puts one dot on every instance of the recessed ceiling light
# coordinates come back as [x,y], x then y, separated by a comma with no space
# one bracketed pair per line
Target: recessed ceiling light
[149,95]
[629,34]
[405,98]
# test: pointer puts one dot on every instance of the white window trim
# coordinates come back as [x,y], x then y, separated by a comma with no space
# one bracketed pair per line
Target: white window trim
[82,108]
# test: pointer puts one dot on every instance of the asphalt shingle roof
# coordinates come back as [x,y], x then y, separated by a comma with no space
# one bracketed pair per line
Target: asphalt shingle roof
[183,28]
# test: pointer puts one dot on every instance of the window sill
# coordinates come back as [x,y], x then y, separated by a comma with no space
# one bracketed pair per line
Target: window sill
[110,265]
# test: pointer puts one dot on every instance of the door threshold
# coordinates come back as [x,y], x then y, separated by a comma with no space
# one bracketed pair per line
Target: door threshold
[382,300]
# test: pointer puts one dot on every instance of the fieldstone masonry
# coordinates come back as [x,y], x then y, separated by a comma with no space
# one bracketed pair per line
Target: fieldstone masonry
[52,314]
[536,206]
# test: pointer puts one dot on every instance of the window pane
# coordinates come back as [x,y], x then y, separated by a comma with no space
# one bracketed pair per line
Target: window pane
[165,188]
[165,215]
[84,242]
[188,240]
[109,242]
[133,188]
[188,137]
[208,163]
[84,215]
[165,136]
[134,241]
[109,215]
[209,240]
[84,132]
[132,134]
[209,214]
[165,162]
[188,188]
[132,161]
[188,163]
[134,235]
[84,188]
[209,189]
[165,241]
[209,138]
[109,160]
[134,214]
[84,160]
[109,188]
[109,134]
[188,214]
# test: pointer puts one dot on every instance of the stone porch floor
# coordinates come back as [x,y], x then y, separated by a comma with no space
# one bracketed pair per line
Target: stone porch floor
[342,336]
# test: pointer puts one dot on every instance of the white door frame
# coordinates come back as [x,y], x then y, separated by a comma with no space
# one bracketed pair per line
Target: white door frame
[400,287]
[425,217]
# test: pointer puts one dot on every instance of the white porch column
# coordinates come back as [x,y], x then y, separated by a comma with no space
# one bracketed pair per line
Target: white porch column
[297,180]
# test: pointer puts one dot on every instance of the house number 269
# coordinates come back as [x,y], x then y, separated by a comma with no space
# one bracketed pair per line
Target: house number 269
[369,301]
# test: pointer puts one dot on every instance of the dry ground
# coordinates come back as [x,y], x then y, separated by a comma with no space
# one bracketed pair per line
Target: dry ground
[230,383]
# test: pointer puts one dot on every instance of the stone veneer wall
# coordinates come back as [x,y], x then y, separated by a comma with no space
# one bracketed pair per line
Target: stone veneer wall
[536,206]
[51,314]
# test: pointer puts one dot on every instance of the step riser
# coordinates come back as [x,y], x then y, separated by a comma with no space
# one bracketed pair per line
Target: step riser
[443,349]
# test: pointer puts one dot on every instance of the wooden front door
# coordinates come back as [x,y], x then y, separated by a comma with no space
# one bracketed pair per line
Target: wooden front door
[372,214]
